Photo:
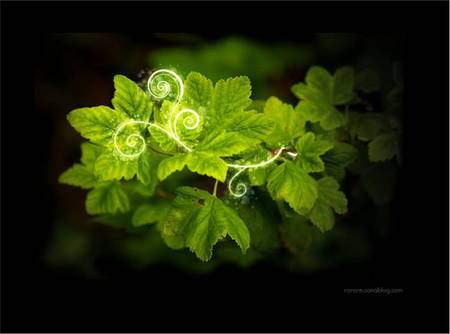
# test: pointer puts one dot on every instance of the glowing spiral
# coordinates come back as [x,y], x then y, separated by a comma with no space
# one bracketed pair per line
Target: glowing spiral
[241,188]
[159,87]
[190,122]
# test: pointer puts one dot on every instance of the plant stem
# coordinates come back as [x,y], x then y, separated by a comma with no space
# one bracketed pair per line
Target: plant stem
[215,188]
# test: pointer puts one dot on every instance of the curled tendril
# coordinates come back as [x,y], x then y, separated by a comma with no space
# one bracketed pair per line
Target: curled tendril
[131,141]
[190,122]
[160,88]
[240,189]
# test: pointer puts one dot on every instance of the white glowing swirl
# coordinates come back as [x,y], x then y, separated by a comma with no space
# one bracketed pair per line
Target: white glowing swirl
[161,90]
[190,122]
[241,188]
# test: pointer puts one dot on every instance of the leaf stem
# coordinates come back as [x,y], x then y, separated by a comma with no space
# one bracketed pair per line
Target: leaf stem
[215,188]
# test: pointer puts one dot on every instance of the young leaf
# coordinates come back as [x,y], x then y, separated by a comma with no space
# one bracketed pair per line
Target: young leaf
[198,92]
[110,166]
[251,126]
[330,198]
[199,220]
[290,183]
[79,176]
[321,93]
[107,197]
[203,163]
[288,123]
[131,100]
[231,96]
[309,150]
[89,154]
[98,124]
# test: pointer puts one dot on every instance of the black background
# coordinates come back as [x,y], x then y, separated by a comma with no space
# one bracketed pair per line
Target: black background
[415,258]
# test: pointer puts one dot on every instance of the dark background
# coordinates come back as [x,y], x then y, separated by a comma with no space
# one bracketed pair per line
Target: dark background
[415,258]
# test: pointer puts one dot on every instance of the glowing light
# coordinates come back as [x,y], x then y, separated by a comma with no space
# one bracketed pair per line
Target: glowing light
[159,87]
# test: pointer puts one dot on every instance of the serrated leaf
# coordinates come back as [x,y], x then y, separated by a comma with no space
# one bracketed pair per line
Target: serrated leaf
[343,83]
[231,96]
[367,126]
[107,197]
[198,92]
[309,150]
[199,220]
[322,92]
[330,198]
[89,154]
[151,212]
[224,144]
[79,176]
[203,163]
[290,183]
[98,124]
[288,123]
[384,147]
[130,99]
[111,166]
[251,125]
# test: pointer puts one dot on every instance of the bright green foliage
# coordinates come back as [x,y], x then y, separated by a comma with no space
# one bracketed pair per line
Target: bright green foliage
[309,150]
[322,93]
[97,124]
[131,100]
[330,198]
[107,197]
[203,163]
[230,96]
[290,202]
[199,220]
[289,123]
[290,183]
[78,176]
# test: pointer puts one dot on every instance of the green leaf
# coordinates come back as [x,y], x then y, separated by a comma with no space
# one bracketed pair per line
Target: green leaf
[79,176]
[98,124]
[309,150]
[152,212]
[89,154]
[251,125]
[107,197]
[367,126]
[322,92]
[231,96]
[330,198]
[130,99]
[223,144]
[198,92]
[203,163]
[290,183]
[111,166]
[288,123]
[339,157]
[384,147]
[146,167]
[199,220]
[344,81]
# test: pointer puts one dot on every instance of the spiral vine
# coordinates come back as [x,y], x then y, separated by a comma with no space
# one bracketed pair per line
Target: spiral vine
[159,87]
